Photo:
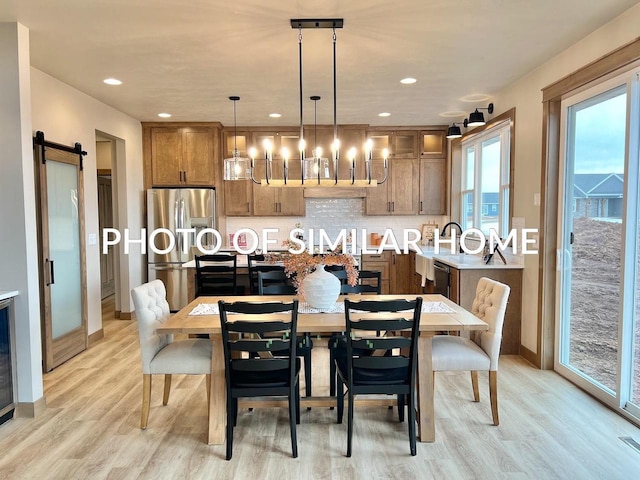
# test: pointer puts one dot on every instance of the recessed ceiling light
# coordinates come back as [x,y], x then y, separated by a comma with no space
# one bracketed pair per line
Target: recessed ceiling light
[453,114]
[384,114]
[275,115]
[112,81]
[408,80]
[476,97]
[164,115]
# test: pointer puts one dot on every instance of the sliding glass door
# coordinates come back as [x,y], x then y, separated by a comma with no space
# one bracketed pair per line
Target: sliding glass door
[598,339]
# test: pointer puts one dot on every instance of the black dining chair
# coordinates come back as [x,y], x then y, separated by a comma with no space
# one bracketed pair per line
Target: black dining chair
[263,374]
[257,263]
[362,371]
[276,283]
[369,282]
[216,275]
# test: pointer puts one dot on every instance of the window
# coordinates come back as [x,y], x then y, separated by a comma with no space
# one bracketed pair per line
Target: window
[484,196]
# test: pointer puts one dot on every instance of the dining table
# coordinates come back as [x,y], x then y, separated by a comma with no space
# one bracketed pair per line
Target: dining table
[445,316]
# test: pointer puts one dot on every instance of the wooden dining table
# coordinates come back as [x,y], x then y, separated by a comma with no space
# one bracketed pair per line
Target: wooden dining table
[458,320]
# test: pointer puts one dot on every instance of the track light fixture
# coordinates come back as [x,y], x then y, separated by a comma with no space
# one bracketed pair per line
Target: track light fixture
[476,119]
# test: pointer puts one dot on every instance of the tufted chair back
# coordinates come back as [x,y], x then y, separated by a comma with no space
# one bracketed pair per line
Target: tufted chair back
[152,309]
[490,306]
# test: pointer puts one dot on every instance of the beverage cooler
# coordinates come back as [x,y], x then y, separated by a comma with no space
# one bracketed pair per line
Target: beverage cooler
[7,374]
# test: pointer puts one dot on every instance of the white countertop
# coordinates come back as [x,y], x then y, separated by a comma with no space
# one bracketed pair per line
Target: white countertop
[461,261]
[4,294]
[475,262]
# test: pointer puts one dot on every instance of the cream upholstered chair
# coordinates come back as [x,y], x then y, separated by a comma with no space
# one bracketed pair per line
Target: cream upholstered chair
[481,351]
[160,353]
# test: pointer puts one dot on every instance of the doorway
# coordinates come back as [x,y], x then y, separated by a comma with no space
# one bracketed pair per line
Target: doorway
[597,335]
[104,162]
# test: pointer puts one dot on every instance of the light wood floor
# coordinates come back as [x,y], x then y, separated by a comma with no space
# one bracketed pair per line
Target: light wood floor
[549,429]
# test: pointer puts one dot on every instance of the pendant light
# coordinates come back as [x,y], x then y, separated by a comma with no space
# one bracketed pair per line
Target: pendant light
[316,166]
[236,167]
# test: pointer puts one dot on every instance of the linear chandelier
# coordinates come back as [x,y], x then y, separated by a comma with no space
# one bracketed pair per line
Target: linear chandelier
[314,169]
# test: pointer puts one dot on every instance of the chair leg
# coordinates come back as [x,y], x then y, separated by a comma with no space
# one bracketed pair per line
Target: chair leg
[307,374]
[412,423]
[167,389]
[474,384]
[235,412]
[340,398]
[298,403]
[230,424]
[493,394]
[350,423]
[401,408]
[292,421]
[146,399]
[332,373]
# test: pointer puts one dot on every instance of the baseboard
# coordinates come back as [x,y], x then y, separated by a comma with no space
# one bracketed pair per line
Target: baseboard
[530,356]
[116,314]
[95,337]
[31,409]
[127,315]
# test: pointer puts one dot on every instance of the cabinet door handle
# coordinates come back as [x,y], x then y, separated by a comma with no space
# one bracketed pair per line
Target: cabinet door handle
[394,258]
[185,176]
[388,206]
[393,206]
[420,206]
[247,206]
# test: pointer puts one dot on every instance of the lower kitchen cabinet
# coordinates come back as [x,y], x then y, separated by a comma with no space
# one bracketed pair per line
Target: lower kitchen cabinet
[396,270]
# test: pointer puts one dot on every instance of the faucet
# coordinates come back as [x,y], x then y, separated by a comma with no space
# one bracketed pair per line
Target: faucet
[452,224]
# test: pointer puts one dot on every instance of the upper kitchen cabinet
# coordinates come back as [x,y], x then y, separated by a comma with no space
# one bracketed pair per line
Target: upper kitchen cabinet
[238,194]
[399,195]
[433,172]
[433,186]
[181,155]
[277,201]
[433,143]
[399,143]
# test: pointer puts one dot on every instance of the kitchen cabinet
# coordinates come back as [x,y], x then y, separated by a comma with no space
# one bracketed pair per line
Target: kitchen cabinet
[396,270]
[400,143]
[433,172]
[400,194]
[238,194]
[433,143]
[463,283]
[184,156]
[278,201]
[433,186]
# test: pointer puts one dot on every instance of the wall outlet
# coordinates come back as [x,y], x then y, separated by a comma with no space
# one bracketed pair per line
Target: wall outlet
[92,239]
[536,199]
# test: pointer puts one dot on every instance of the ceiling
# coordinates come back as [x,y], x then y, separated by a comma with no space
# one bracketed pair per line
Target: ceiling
[187,58]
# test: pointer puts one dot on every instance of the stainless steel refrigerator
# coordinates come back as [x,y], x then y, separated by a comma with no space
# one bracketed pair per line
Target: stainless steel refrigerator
[173,209]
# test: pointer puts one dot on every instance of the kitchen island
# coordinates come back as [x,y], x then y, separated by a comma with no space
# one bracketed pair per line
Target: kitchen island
[461,273]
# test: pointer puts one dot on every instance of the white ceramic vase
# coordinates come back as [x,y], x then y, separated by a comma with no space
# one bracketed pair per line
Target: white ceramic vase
[321,289]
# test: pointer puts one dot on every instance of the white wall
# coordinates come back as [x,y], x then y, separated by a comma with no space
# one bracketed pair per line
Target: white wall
[66,116]
[19,264]
[525,94]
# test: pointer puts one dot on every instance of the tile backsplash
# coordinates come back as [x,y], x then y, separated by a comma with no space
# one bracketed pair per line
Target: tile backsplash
[333,215]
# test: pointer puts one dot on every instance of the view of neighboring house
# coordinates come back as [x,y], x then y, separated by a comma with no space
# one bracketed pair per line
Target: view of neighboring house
[598,195]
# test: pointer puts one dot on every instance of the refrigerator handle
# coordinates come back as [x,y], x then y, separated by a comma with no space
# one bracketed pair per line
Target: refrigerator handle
[177,221]
[183,220]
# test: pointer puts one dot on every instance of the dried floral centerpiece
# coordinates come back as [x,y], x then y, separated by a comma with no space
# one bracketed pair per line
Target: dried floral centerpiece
[298,265]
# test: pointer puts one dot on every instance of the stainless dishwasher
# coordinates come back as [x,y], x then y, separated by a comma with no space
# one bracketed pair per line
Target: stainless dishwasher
[442,278]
